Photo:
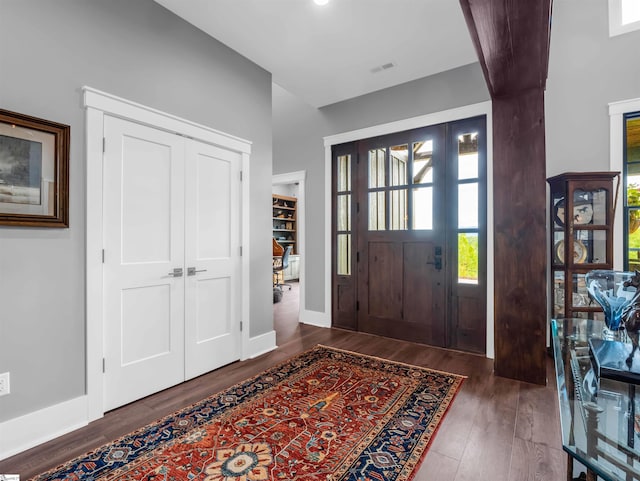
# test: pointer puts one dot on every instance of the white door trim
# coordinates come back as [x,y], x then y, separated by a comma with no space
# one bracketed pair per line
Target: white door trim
[298,177]
[97,105]
[616,161]
[481,108]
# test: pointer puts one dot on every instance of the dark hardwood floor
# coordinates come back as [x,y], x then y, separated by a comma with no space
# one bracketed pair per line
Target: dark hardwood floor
[497,429]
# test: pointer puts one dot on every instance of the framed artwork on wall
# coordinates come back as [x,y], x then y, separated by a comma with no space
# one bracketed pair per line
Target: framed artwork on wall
[34,171]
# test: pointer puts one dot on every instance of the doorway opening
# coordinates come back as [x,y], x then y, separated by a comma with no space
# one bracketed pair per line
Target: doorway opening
[288,207]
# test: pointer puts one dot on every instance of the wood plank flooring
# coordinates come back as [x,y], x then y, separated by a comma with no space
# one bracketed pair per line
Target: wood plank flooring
[496,429]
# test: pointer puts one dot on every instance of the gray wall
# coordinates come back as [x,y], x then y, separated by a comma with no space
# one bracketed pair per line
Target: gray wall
[587,70]
[298,130]
[290,190]
[139,51]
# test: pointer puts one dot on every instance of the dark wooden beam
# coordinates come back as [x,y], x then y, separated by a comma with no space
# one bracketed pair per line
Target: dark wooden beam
[511,38]
[520,237]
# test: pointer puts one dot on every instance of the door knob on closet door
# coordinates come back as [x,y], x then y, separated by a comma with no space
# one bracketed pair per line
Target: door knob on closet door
[191,271]
[177,272]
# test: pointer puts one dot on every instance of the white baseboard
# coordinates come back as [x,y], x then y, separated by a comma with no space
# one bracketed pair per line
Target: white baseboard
[315,318]
[30,430]
[262,344]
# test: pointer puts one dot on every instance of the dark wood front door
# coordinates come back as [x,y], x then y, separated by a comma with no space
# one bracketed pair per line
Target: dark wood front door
[400,289]
[409,228]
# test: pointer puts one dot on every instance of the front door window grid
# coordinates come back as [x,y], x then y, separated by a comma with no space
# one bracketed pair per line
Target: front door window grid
[389,200]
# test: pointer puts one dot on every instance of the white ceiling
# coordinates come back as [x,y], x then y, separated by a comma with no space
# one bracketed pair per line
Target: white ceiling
[325,54]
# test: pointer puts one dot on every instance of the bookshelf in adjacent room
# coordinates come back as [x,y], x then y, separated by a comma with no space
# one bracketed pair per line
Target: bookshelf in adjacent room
[284,221]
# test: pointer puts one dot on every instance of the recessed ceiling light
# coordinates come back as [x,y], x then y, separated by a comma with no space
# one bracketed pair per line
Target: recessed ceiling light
[320,2]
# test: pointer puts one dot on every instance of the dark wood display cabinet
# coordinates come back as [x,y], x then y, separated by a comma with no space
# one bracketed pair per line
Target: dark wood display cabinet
[581,212]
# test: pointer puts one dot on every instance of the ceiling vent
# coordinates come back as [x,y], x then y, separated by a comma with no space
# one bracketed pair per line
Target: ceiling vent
[380,68]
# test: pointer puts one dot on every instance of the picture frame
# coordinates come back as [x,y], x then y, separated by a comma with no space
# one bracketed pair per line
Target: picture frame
[34,171]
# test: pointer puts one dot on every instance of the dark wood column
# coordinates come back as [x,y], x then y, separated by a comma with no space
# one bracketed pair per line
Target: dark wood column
[512,41]
[520,236]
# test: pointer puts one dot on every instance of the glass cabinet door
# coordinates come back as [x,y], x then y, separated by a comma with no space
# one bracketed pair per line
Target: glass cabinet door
[581,216]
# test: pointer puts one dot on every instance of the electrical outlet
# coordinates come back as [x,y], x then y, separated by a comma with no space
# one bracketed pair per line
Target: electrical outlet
[4,384]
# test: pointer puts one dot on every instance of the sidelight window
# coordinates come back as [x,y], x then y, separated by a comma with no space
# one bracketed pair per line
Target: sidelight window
[468,208]
[343,208]
[632,182]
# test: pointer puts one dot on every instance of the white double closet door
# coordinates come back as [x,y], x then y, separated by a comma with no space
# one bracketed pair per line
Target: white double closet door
[171,259]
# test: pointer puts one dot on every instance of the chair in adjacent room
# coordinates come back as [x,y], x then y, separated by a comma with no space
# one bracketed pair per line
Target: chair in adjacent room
[280,265]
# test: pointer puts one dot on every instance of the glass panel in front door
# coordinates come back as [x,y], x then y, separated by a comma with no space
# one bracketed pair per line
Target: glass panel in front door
[398,215]
[422,168]
[344,255]
[377,158]
[344,212]
[468,208]
[344,173]
[343,207]
[398,205]
[377,183]
[399,157]
[422,179]
[422,199]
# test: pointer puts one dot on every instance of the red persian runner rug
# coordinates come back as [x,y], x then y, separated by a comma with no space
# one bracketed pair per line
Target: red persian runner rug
[324,415]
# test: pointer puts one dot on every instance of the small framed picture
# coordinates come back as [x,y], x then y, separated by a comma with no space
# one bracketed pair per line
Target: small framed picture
[34,171]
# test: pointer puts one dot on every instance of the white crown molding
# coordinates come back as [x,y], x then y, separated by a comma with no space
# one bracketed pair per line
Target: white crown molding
[127,109]
[434,118]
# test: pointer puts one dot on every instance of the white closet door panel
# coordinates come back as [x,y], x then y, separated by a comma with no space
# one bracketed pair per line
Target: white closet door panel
[213,318]
[212,311]
[144,242]
[146,201]
[146,314]
[213,208]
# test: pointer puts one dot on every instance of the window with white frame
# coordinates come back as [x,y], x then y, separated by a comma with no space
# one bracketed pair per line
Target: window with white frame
[631,169]
[624,16]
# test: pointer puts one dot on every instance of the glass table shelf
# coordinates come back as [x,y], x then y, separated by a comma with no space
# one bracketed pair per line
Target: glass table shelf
[599,416]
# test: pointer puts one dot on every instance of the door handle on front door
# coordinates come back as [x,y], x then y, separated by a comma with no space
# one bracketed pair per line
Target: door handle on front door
[437,258]
[191,271]
[177,272]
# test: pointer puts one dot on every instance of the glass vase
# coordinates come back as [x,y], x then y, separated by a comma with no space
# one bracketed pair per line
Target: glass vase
[615,292]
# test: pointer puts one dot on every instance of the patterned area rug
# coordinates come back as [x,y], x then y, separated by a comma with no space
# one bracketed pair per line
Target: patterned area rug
[324,415]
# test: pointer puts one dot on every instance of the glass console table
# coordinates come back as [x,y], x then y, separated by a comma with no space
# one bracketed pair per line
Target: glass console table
[599,416]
